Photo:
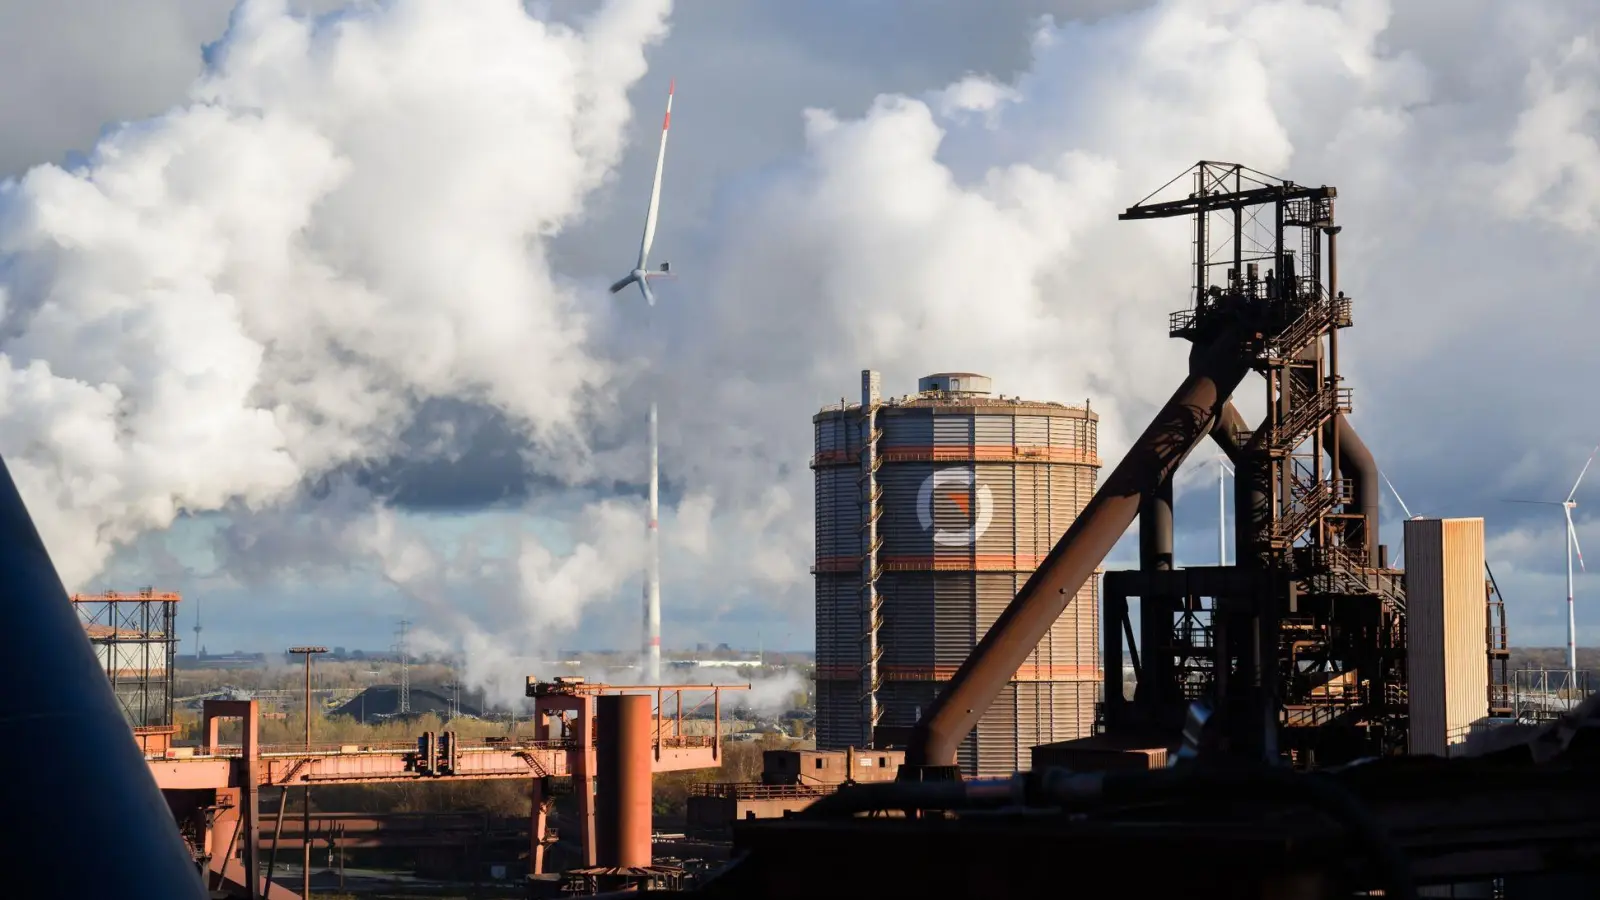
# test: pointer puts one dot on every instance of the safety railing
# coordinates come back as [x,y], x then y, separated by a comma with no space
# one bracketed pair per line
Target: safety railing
[755,790]
[1501,697]
[1180,322]
[1307,416]
[348,748]
[1313,499]
[688,741]
[1319,314]
[962,453]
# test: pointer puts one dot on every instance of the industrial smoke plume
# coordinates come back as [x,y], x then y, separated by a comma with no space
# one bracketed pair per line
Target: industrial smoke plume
[348,215]
[222,306]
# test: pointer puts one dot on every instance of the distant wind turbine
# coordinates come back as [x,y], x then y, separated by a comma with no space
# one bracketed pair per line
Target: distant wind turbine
[1223,471]
[1404,509]
[642,276]
[1567,506]
[641,273]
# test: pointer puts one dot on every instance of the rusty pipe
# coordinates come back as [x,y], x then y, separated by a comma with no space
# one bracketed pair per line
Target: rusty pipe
[1251,491]
[1226,431]
[1155,528]
[87,810]
[1357,464]
[623,761]
[1181,424]
[1155,612]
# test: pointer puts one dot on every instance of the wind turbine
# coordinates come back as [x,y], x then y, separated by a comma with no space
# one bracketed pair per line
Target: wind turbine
[641,276]
[1404,509]
[1223,471]
[1567,506]
[641,273]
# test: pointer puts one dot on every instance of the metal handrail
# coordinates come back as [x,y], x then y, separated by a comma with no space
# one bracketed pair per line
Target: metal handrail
[331,748]
[755,790]
[688,740]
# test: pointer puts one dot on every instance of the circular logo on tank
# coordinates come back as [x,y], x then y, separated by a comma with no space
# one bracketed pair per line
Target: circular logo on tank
[954,495]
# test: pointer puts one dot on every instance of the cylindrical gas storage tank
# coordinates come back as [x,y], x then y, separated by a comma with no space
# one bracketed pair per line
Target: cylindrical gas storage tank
[965,493]
[622,756]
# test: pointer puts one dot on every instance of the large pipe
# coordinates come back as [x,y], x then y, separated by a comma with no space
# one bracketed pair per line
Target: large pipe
[1155,528]
[1155,612]
[1226,430]
[1177,428]
[623,759]
[1250,499]
[87,810]
[1357,464]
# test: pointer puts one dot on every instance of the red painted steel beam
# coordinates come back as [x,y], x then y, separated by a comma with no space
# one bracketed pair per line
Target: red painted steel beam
[372,767]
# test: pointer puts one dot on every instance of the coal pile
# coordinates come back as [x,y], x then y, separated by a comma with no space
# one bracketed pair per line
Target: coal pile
[383,702]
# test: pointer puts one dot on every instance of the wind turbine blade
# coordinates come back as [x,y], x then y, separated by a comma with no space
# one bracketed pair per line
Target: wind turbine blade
[655,190]
[624,283]
[1403,507]
[1582,473]
[644,287]
[1572,535]
[1537,502]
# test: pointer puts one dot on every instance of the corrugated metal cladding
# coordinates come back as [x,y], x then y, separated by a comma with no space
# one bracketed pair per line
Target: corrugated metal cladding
[975,492]
[1447,666]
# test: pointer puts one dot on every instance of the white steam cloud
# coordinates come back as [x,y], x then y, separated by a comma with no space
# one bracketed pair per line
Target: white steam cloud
[348,215]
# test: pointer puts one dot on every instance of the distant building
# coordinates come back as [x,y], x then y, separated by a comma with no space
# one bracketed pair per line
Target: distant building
[791,780]
[238,659]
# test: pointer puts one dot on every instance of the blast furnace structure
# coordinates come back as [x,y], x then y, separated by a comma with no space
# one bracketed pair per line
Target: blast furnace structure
[932,510]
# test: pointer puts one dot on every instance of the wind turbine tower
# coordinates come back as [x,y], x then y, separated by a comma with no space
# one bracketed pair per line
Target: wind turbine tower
[1223,471]
[1567,506]
[641,275]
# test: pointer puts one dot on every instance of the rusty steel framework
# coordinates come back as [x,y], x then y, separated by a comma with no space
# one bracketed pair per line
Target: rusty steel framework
[1302,643]
[1297,652]
[135,636]
[214,790]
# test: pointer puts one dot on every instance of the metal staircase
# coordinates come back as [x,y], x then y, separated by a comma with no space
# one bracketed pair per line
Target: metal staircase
[1311,501]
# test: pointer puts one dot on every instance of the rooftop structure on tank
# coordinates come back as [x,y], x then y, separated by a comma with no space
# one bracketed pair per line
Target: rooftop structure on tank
[932,510]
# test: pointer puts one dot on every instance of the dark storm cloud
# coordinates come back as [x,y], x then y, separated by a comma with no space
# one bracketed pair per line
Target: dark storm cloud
[459,457]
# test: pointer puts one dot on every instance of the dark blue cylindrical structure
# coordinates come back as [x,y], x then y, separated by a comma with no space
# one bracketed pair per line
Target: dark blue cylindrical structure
[81,808]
